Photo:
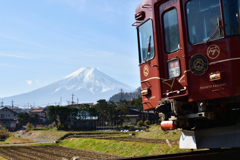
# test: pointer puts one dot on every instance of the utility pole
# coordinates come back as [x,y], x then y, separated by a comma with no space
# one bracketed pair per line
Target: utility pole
[12,104]
[72,99]
[77,101]
[121,93]
[2,103]
[60,101]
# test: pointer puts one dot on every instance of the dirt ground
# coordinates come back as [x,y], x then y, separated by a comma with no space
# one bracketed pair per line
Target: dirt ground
[50,153]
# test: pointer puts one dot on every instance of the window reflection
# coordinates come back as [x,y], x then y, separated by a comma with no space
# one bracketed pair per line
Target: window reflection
[202,18]
[146,43]
[231,10]
[171,31]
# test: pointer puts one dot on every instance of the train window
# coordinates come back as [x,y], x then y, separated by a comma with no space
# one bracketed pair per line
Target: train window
[231,11]
[145,41]
[171,31]
[202,20]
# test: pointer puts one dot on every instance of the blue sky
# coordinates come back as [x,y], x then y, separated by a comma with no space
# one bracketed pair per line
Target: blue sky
[42,41]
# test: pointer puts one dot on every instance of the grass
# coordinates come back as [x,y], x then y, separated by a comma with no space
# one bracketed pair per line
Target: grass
[155,132]
[119,148]
[3,142]
[18,140]
[46,134]
[1,158]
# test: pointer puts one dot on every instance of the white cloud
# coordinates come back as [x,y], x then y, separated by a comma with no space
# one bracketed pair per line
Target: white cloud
[29,82]
[36,81]
[11,55]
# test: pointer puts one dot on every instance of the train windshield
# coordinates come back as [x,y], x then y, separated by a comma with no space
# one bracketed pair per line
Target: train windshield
[202,20]
[145,41]
[171,31]
[231,11]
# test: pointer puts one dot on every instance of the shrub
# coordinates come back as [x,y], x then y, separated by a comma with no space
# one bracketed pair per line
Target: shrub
[126,127]
[147,122]
[4,134]
[140,123]
[60,126]
[160,120]
[131,127]
[70,126]
[29,126]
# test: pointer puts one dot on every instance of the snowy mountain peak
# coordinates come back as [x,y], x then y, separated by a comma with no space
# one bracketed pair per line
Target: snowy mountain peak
[81,72]
[87,84]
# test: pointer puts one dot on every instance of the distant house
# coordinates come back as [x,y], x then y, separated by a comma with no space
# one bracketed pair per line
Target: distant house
[8,118]
[134,116]
[41,114]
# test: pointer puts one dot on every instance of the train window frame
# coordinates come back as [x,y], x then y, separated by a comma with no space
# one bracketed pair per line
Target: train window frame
[179,61]
[206,39]
[141,60]
[163,26]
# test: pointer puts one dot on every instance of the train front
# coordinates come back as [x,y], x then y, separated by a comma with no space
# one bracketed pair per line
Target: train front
[189,58]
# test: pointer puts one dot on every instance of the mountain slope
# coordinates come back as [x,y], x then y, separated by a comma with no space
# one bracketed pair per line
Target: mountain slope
[86,84]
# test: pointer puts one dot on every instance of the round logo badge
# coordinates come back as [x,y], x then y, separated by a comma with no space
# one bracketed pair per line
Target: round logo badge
[213,51]
[198,64]
[145,70]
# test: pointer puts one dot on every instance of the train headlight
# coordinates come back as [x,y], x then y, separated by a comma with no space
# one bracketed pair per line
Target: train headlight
[215,76]
[140,15]
[174,68]
[144,91]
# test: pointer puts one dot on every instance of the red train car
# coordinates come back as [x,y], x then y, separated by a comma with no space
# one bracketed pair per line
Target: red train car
[189,58]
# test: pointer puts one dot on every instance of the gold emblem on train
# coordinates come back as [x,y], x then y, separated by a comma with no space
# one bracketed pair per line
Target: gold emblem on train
[198,64]
[145,70]
[213,51]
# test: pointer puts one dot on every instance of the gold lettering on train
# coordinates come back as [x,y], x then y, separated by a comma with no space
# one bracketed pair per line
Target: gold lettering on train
[213,86]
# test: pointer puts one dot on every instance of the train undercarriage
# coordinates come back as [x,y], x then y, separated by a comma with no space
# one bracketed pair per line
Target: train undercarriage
[208,124]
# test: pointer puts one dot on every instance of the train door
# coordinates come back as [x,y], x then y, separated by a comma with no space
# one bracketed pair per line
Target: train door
[207,47]
[172,55]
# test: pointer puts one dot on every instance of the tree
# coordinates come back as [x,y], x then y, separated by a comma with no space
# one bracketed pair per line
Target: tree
[83,110]
[113,112]
[123,112]
[101,108]
[29,126]
[52,113]
[23,117]
[138,105]
[63,115]
[74,115]
[35,118]
[92,111]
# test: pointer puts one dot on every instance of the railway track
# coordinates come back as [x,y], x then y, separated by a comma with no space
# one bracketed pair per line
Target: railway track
[220,154]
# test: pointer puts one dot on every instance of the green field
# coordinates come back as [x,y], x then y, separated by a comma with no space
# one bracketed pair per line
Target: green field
[118,147]
[128,149]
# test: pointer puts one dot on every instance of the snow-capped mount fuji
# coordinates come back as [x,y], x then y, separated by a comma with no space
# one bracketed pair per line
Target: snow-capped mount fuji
[86,84]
